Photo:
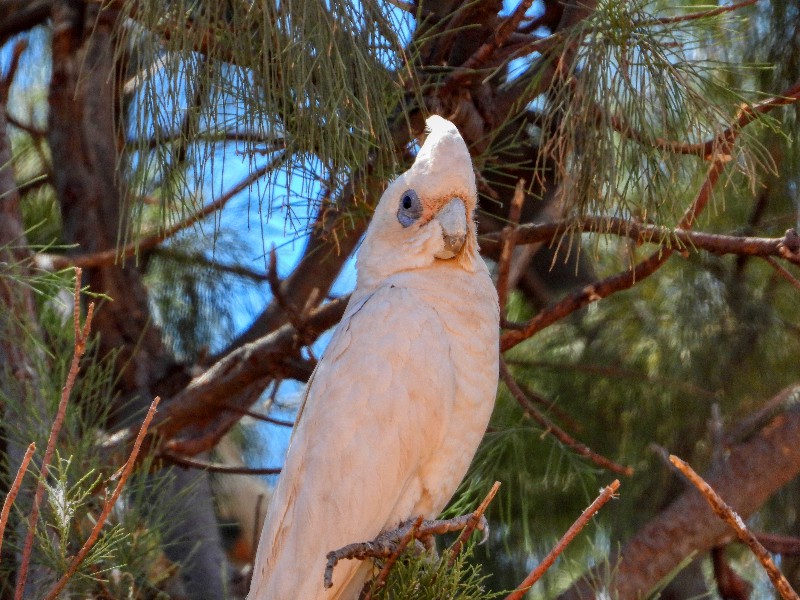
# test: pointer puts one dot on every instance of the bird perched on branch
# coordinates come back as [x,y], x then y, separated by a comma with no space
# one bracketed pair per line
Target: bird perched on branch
[397,406]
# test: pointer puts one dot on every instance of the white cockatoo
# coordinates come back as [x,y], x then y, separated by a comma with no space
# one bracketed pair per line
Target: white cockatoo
[400,400]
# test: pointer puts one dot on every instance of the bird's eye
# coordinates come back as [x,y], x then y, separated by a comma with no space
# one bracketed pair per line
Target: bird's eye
[410,208]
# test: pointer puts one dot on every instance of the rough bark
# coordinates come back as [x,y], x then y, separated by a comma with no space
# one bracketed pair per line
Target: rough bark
[752,471]
[84,99]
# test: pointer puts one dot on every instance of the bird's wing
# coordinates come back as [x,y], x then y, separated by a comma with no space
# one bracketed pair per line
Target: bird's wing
[373,413]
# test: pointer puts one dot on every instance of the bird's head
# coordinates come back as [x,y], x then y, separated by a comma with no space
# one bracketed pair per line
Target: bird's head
[426,215]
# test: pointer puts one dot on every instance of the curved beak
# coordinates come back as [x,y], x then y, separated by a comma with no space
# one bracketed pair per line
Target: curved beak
[453,219]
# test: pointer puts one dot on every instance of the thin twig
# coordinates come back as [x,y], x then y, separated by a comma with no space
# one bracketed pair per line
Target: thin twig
[107,506]
[257,415]
[507,243]
[783,272]
[550,427]
[81,336]
[697,15]
[211,467]
[388,565]
[727,514]
[12,493]
[473,523]
[534,576]
[110,257]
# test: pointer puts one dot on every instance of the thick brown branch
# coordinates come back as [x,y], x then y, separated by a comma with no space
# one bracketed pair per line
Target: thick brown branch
[183,420]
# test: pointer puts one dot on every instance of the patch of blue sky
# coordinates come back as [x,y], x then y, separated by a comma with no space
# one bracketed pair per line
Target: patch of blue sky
[28,94]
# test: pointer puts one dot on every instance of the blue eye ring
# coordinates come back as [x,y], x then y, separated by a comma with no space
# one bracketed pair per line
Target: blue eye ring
[409,209]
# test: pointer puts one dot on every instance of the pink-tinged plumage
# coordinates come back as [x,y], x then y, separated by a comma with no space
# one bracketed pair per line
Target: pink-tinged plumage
[397,406]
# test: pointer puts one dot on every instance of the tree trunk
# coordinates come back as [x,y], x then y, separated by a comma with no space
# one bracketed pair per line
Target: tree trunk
[83,135]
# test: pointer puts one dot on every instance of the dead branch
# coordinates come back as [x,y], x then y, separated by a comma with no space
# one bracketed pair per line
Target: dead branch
[109,503]
[550,427]
[608,492]
[81,336]
[212,467]
[474,522]
[13,491]
[727,514]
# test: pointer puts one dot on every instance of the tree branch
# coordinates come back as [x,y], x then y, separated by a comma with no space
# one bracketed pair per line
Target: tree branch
[735,522]
[14,490]
[211,467]
[110,257]
[786,247]
[607,494]
[561,435]
[625,280]
[183,422]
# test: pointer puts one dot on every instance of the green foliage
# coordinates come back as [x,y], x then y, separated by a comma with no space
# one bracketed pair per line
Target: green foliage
[640,84]
[127,557]
[421,576]
[312,83]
